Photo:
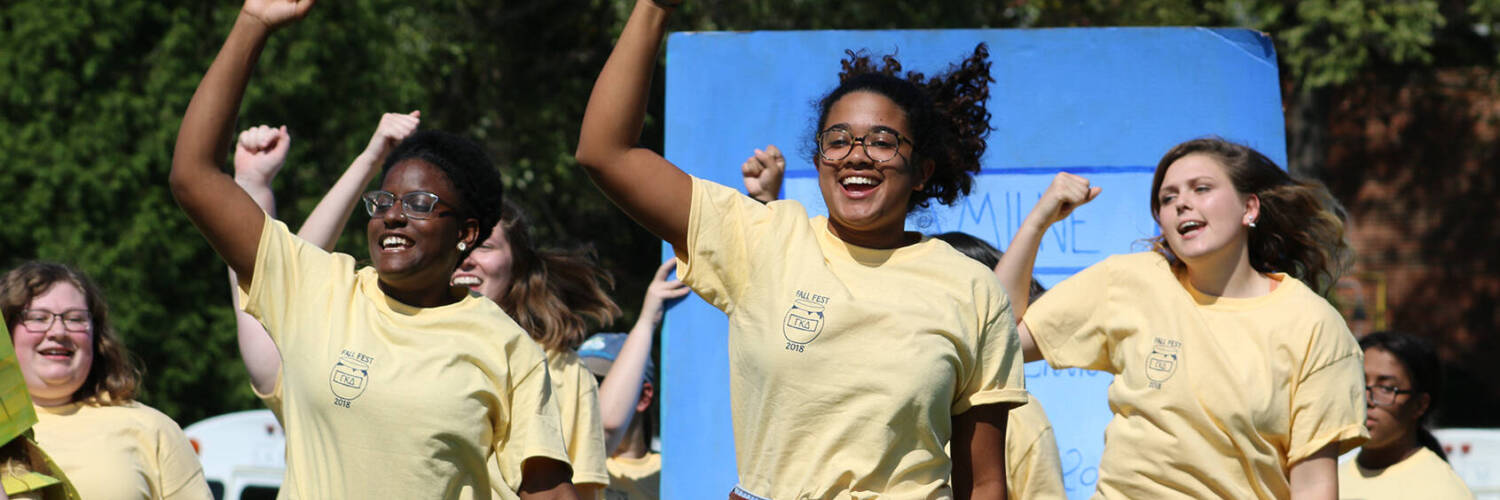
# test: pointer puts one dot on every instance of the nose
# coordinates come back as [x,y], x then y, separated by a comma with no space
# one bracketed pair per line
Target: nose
[394,216]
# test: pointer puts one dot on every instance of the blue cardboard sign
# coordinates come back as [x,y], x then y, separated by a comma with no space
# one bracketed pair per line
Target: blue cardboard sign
[1104,103]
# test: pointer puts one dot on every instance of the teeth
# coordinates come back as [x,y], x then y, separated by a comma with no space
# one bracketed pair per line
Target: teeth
[467,281]
[1188,226]
[56,352]
[859,180]
[392,241]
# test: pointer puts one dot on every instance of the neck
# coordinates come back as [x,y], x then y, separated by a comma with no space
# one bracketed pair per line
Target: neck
[47,402]
[634,444]
[883,238]
[433,296]
[1386,456]
[1228,275]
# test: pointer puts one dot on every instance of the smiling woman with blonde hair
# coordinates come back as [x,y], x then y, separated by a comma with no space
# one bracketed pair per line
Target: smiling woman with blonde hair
[83,384]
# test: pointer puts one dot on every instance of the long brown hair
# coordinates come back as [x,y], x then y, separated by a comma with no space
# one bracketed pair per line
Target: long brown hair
[114,373]
[1300,230]
[554,294]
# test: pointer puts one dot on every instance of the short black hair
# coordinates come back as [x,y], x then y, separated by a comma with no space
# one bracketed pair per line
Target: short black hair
[467,166]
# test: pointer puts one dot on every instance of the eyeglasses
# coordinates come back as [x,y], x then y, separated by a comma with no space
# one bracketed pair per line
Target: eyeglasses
[73,320]
[415,205]
[881,145]
[1385,395]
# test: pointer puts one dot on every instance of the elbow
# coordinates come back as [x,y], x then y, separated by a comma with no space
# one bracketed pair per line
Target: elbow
[589,157]
[179,181]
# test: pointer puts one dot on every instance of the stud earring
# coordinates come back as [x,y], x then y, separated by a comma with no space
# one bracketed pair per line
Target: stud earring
[462,246]
[1251,223]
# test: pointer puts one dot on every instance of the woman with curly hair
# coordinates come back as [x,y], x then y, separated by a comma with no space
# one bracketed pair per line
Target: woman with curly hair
[83,385]
[857,349]
[1234,378]
[395,384]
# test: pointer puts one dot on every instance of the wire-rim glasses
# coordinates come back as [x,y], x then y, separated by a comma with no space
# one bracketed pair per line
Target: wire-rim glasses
[415,205]
[73,320]
[880,145]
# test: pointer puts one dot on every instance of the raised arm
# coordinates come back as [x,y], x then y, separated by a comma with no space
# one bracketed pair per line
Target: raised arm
[1066,193]
[223,212]
[258,156]
[651,190]
[327,220]
[622,385]
[763,172]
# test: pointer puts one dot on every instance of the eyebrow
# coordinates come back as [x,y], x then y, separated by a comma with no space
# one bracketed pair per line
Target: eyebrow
[874,128]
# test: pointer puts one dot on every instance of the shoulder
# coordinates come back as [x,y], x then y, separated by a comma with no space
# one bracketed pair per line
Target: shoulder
[133,415]
[1316,321]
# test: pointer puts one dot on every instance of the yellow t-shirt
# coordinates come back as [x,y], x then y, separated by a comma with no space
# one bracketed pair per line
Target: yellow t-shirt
[1032,466]
[121,452]
[577,396]
[1422,475]
[1212,397]
[847,364]
[384,400]
[634,478]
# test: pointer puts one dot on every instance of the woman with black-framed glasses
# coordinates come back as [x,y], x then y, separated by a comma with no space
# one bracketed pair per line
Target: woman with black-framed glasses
[395,383]
[1402,459]
[857,349]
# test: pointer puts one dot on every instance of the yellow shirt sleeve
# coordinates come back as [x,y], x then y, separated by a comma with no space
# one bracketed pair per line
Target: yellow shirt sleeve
[583,428]
[534,427]
[1071,323]
[721,270]
[1328,400]
[997,374]
[1032,465]
[285,262]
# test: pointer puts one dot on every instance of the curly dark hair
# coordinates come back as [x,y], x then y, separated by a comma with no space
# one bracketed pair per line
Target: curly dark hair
[1300,230]
[115,376]
[948,115]
[467,166]
[554,294]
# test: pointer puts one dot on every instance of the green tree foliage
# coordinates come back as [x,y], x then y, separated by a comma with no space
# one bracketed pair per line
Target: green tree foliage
[91,93]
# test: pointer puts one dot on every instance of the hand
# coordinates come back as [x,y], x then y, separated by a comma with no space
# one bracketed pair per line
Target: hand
[763,172]
[1066,193]
[276,13]
[260,153]
[393,128]
[661,290]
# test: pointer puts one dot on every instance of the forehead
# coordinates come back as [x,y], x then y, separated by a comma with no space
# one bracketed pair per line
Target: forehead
[59,296]
[1194,166]
[416,174]
[1381,364]
[862,110]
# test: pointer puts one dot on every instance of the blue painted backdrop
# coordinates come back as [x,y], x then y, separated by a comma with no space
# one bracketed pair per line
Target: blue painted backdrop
[1104,103]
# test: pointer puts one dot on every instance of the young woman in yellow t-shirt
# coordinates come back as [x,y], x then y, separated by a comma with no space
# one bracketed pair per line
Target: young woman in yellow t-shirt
[439,199]
[857,349]
[1402,459]
[1233,378]
[83,384]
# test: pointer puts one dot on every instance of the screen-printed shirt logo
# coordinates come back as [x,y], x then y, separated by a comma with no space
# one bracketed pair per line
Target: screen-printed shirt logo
[1162,362]
[350,377]
[804,320]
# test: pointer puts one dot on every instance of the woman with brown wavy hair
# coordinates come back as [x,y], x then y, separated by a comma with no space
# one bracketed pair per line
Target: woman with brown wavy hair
[1234,377]
[857,349]
[83,383]
[556,295]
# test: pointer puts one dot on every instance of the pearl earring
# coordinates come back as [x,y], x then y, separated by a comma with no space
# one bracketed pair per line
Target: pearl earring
[464,246]
[1251,223]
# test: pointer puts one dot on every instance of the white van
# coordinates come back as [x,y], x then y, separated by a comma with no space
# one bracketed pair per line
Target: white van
[243,454]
